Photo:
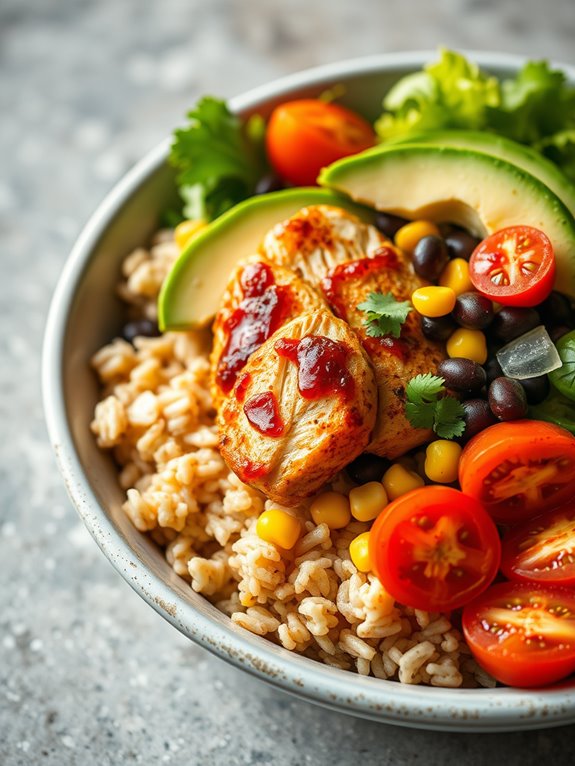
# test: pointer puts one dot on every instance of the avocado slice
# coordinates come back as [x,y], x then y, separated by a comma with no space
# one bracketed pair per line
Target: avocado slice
[190,294]
[461,185]
[523,157]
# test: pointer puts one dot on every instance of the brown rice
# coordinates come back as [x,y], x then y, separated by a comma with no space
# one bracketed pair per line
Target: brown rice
[156,417]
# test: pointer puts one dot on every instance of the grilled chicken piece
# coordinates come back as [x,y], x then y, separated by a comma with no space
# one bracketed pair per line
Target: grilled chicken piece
[302,408]
[317,239]
[260,297]
[395,361]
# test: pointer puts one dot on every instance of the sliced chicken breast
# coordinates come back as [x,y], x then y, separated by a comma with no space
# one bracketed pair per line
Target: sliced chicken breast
[260,297]
[395,360]
[302,408]
[317,239]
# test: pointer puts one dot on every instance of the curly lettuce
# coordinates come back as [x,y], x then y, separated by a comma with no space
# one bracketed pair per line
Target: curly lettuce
[536,107]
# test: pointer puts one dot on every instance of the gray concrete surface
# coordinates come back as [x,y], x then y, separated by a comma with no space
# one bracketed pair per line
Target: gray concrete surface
[89,674]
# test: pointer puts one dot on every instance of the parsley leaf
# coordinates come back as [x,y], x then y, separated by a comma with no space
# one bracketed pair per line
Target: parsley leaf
[428,407]
[218,159]
[385,315]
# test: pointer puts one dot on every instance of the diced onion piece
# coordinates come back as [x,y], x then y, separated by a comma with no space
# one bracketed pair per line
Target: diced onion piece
[529,355]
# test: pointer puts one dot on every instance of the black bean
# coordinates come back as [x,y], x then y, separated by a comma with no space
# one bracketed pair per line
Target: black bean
[140,327]
[513,321]
[493,369]
[430,257]
[536,389]
[473,311]
[389,224]
[462,374]
[507,399]
[437,328]
[478,416]
[367,467]
[558,332]
[556,310]
[460,244]
[269,183]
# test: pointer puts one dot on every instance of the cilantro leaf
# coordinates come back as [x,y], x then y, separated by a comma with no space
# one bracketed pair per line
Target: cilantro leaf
[449,418]
[420,415]
[427,407]
[218,160]
[424,388]
[384,314]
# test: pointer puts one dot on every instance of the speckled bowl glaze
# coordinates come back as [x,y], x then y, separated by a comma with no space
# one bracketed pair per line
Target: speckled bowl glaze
[85,315]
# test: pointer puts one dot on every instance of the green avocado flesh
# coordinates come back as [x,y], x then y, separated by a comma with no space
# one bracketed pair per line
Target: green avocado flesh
[190,295]
[523,157]
[460,185]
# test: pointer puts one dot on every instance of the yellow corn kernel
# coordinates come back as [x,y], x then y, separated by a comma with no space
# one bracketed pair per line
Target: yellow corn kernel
[278,527]
[247,599]
[456,276]
[409,235]
[442,461]
[186,230]
[331,508]
[397,480]
[470,344]
[359,552]
[433,301]
[367,501]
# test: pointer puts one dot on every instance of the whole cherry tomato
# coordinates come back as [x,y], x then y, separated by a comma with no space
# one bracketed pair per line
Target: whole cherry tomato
[304,136]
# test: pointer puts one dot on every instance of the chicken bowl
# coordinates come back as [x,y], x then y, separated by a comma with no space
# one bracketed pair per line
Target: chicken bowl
[107,395]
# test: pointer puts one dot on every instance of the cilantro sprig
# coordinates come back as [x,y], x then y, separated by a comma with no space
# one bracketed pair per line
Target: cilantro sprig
[428,406]
[384,314]
[218,159]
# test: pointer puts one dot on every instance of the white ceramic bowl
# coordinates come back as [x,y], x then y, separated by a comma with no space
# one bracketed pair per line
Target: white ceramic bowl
[85,315]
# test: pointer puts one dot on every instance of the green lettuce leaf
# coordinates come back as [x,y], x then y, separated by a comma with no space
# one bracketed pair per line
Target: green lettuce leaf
[450,93]
[536,107]
[560,148]
[538,102]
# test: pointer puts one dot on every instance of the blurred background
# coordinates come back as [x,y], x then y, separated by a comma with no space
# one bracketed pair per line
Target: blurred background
[88,673]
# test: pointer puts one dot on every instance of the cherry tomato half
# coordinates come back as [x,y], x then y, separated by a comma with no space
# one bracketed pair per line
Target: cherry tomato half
[514,266]
[542,549]
[434,548]
[519,469]
[523,633]
[304,136]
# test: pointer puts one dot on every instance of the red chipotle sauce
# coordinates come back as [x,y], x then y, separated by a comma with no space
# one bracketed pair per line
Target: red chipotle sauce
[258,316]
[263,414]
[321,363]
[384,258]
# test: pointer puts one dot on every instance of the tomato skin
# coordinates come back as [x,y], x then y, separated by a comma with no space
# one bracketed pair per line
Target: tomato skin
[434,548]
[542,549]
[519,255]
[304,136]
[513,456]
[514,657]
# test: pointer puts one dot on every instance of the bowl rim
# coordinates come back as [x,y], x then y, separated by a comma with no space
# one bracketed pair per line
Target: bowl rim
[501,709]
